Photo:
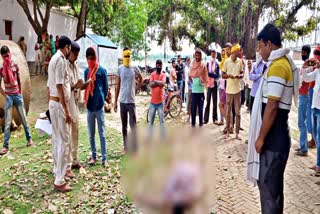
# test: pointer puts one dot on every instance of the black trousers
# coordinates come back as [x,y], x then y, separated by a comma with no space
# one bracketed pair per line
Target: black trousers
[251,103]
[125,110]
[271,178]
[243,96]
[183,91]
[211,93]
[197,104]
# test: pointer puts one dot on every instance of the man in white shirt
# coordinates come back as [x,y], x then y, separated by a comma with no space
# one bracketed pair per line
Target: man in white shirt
[76,85]
[59,92]
[309,76]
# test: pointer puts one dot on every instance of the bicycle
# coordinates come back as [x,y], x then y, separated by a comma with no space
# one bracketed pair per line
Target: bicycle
[172,104]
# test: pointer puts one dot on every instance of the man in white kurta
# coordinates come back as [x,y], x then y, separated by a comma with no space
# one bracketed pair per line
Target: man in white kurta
[76,84]
[59,97]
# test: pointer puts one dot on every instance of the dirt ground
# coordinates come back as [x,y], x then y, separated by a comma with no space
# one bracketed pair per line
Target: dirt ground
[39,98]
[39,103]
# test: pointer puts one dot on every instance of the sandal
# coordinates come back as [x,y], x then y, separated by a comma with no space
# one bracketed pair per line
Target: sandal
[313,167]
[92,161]
[221,123]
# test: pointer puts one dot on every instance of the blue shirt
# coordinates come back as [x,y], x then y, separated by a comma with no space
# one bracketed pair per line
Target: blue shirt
[100,92]
[255,75]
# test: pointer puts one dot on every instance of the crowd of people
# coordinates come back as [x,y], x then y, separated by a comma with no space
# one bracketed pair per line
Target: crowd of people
[45,48]
[266,85]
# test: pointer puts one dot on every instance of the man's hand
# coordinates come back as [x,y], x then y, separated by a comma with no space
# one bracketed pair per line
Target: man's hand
[79,84]
[115,107]
[317,64]
[68,118]
[259,144]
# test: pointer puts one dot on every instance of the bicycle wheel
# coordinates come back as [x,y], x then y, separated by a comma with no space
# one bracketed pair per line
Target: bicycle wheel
[175,106]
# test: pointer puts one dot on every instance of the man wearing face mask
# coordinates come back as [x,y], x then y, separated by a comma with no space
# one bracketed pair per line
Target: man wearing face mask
[94,98]
[180,76]
[312,143]
[303,108]
[126,79]
[157,82]
[76,85]
[9,73]
[212,84]
[59,90]
[258,69]
[311,72]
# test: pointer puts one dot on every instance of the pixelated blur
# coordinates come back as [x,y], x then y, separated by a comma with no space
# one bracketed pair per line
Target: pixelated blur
[170,174]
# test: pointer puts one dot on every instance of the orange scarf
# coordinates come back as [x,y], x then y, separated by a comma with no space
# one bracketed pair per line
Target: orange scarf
[92,75]
[199,69]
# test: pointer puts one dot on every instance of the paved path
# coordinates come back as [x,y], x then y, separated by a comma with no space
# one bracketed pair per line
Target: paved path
[234,195]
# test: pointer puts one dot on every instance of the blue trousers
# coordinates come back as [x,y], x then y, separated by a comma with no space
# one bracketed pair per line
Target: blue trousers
[17,101]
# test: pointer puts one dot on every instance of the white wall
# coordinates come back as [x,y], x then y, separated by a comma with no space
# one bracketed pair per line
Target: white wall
[59,24]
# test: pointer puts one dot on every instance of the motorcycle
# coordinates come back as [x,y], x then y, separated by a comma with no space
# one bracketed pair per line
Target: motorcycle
[145,87]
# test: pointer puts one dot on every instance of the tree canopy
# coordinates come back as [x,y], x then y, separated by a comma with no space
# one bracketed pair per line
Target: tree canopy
[221,21]
[129,22]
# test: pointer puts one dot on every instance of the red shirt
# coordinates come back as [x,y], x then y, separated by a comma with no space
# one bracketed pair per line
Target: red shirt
[311,84]
[11,88]
[304,89]
[157,92]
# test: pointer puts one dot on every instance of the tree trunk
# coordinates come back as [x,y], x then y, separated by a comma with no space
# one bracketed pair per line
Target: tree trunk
[82,18]
[38,28]
[250,30]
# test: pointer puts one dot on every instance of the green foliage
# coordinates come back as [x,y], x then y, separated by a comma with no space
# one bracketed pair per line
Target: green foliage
[122,21]
[203,22]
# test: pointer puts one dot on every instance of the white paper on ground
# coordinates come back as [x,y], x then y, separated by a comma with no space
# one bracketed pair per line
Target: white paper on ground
[43,126]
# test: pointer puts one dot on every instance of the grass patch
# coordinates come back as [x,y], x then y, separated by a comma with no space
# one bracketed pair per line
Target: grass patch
[26,182]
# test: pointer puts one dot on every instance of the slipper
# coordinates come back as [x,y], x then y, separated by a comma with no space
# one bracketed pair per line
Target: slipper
[219,123]
[313,167]
[238,138]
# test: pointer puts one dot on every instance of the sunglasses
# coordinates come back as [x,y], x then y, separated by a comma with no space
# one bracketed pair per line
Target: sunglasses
[126,56]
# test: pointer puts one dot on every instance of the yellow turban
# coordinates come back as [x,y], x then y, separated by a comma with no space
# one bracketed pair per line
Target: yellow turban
[235,48]
[126,58]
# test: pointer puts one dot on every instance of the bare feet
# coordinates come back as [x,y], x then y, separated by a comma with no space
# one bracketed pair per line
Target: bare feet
[226,136]
[238,137]
[30,143]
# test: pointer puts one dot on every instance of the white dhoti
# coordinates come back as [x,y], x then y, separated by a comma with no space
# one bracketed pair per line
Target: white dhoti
[60,142]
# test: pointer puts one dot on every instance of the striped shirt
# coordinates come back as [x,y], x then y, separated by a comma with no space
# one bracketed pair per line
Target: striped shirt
[278,83]
[11,88]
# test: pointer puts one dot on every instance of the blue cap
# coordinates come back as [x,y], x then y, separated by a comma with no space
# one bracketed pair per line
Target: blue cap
[75,46]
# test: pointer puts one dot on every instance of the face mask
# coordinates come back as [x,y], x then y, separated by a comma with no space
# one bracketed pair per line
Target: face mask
[91,63]
[304,57]
[126,56]
[159,70]
[7,60]
[317,57]
[258,56]
[126,61]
